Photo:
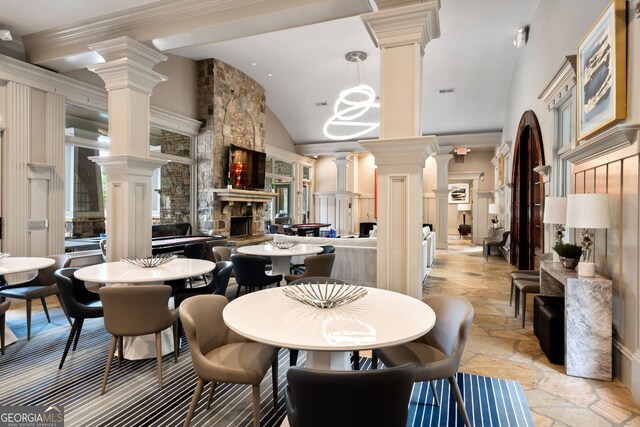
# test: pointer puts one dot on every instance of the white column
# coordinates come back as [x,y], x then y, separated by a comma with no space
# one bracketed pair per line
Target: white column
[129,79]
[442,199]
[401,34]
[15,184]
[54,155]
[344,194]
[399,256]
[476,236]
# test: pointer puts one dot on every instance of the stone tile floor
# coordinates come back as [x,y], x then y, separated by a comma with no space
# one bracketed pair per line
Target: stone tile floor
[499,347]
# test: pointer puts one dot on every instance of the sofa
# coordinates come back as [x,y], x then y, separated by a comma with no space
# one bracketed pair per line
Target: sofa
[356,258]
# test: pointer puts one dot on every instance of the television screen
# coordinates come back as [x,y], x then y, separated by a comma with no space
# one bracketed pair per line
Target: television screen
[246,168]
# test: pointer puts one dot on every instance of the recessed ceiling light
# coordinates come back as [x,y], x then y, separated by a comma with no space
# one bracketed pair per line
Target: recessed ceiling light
[448,90]
[269,74]
[321,104]
[254,64]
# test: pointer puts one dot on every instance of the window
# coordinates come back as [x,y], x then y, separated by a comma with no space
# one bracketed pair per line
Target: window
[87,135]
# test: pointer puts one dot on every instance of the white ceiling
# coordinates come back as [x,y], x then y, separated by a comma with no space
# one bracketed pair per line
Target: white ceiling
[474,55]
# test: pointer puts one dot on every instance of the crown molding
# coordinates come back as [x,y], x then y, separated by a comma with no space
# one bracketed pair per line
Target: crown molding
[67,38]
[608,141]
[562,82]
[287,156]
[399,26]
[84,94]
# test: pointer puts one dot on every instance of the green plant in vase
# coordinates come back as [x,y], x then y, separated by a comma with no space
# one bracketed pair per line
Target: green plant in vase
[569,254]
[229,183]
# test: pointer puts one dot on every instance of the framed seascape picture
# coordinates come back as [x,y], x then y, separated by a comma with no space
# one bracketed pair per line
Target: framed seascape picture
[458,193]
[602,72]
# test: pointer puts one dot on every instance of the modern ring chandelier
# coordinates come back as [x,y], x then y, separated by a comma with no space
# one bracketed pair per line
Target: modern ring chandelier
[352,104]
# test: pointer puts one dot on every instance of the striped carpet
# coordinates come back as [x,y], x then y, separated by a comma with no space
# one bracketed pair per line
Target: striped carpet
[29,376]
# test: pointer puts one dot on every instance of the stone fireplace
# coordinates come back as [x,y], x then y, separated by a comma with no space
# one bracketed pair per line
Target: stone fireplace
[232,107]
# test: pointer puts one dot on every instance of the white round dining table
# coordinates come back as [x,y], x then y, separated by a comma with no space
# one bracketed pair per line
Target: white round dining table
[124,272]
[11,265]
[121,272]
[380,319]
[280,258]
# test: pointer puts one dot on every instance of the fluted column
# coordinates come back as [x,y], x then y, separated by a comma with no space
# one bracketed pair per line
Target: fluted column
[401,34]
[129,79]
[54,155]
[15,184]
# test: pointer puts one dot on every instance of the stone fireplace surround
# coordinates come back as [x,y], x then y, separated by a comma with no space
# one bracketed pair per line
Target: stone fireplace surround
[232,108]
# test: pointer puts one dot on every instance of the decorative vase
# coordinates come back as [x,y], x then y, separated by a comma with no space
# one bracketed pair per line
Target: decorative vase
[229,186]
[569,263]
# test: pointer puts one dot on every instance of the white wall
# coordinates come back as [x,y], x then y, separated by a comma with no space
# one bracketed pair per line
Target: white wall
[557,28]
[277,134]
[178,94]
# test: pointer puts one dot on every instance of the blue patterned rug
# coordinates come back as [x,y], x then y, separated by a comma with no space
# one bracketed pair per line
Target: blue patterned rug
[31,377]
[489,402]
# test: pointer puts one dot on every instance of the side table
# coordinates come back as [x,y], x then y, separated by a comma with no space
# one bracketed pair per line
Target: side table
[588,319]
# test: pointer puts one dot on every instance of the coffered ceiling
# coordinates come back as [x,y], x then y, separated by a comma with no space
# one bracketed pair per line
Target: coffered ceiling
[295,49]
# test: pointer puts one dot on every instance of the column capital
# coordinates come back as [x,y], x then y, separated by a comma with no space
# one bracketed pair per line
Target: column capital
[127,164]
[128,64]
[401,151]
[398,26]
[442,158]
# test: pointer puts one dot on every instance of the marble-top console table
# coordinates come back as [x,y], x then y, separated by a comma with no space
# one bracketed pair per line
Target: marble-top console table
[588,323]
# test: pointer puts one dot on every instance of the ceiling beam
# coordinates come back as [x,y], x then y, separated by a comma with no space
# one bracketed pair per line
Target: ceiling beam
[168,25]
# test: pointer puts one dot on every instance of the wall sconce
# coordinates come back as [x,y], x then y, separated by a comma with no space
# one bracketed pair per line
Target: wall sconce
[521,37]
[5,35]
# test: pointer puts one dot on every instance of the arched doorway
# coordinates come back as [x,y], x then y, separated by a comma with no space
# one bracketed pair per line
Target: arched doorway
[528,195]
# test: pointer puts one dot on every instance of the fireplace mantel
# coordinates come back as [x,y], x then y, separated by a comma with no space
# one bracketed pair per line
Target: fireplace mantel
[248,196]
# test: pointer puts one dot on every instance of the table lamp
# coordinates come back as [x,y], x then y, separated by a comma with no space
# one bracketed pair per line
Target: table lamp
[464,207]
[494,210]
[555,212]
[587,211]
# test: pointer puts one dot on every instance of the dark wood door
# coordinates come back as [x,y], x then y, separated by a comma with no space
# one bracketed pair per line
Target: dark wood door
[528,195]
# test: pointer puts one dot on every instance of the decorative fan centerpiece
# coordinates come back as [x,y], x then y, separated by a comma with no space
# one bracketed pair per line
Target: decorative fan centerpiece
[150,262]
[4,255]
[328,295]
[283,244]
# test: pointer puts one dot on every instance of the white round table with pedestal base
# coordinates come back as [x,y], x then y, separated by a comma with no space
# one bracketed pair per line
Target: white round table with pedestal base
[379,319]
[280,258]
[124,273]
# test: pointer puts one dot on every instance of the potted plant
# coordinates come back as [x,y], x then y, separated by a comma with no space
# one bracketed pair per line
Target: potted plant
[229,183]
[569,254]
[272,187]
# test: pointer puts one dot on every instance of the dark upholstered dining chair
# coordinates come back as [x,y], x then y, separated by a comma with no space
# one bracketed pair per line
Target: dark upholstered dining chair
[217,285]
[314,265]
[299,268]
[248,271]
[498,242]
[4,306]
[436,354]
[316,398]
[220,355]
[131,311]
[80,304]
[40,287]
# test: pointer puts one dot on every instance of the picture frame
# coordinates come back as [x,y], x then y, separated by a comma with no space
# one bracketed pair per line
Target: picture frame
[601,90]
[459,193]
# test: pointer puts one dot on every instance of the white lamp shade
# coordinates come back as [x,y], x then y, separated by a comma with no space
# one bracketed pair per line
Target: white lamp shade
[588,211]
[494,208]
[555,210]
[464,207]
